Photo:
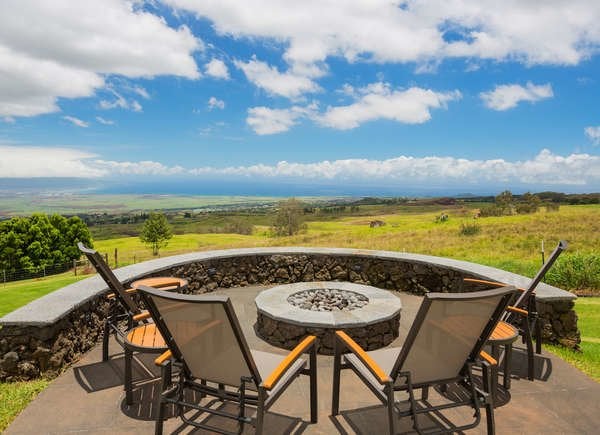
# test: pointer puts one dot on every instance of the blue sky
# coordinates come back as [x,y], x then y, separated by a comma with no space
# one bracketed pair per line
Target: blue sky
[471,94]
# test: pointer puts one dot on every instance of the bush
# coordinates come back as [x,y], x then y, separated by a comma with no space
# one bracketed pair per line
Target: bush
[156,232]
[239,226]
[469,229]
[552,206]
[289,218]
[493,210]
[576,271]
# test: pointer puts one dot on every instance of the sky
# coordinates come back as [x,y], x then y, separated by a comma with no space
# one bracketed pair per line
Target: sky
[462,95]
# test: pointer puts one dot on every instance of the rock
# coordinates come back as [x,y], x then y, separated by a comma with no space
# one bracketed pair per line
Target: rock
[9,362]
[28,370]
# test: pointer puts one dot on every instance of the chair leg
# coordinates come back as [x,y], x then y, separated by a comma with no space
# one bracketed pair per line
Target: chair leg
[494,374]
[507,365]
[335,399]
[488,377]
[128,376]
[105,338]
[158,426]
[390,408]
[530,359]
[425,393]
[260,413]
[538,337]
[313,385]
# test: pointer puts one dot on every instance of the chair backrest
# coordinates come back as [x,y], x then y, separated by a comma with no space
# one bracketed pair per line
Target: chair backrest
[522,300]
[109,277]
[203,333]
[449,330]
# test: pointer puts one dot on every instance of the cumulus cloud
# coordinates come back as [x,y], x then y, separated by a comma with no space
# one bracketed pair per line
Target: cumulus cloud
[546,168]
[65,49]
[217,69]
[264,120]
[380,101]
[214,102]
[506,97]
[593,133]
[288,84]
[76,121]
[558,32]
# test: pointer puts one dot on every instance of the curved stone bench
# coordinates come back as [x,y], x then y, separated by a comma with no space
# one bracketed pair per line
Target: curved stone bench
[52,331]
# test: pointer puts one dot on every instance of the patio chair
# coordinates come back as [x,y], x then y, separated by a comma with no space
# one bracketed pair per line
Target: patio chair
[442,346]
[520,319]
[133,328]
[207,344]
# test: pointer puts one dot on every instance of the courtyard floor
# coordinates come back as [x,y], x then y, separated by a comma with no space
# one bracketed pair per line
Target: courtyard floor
[89,397]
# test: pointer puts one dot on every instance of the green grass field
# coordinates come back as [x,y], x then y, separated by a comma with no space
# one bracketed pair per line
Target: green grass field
[16,294]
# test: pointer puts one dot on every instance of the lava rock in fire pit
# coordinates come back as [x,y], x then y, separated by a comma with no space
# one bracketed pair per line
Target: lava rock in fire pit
[328,300]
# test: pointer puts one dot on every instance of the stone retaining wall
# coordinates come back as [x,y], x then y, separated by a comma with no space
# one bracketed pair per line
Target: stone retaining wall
[29,348]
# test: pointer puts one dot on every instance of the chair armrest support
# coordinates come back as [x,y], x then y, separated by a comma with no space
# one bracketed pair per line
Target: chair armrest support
[518,311]
[290,359]
[165,356]
[142,316]
[488,358]
[364,357]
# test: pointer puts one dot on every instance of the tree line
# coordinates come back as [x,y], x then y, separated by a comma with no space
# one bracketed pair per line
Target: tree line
[35,242]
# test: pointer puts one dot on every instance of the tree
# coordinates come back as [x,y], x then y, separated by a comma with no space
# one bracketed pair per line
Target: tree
[38,241]
[289,218]
[156,232]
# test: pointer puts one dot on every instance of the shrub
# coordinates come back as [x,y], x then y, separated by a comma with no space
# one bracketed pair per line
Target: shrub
[239,226]
[552,206]
[289,218]
[469,229]
[576,271]
[493,210]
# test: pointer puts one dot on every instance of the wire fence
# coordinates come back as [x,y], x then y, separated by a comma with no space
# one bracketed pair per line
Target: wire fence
[82,266]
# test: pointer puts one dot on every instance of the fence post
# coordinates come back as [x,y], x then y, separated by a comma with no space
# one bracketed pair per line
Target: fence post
[44,267]
[106,257]
[4,275]
[543,259]
[75,266]
[133,258]
[116,259]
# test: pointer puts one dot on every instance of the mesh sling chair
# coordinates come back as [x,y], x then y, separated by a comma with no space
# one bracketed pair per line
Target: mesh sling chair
[520,318]
[443,344]
[206,342]
[132,327]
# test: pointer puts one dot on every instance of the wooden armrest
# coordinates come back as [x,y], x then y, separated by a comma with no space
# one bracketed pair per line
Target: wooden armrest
[168,285]
[163,357]
[369,363]
[517,310]
[113,295]
[290,359]
[494,283]
[487,357]
[142,316]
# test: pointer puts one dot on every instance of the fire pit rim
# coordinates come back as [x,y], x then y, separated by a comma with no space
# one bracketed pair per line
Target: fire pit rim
[383,305]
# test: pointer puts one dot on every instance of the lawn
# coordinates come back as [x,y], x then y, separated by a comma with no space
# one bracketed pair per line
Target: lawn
[588,361]
[16,294]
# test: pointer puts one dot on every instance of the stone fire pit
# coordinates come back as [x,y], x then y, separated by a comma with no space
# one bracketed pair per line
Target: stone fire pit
[287,313]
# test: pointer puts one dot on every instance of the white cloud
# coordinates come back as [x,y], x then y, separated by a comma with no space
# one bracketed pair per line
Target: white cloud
[65,49]
[289,84]
[104,121]
[270,121]
[557,32]
[120,102]
[76,121]
[379,101]
[546,168]
[217,69]
[506,97]
[593,133]
[214,102]
[27,161]
[264,120]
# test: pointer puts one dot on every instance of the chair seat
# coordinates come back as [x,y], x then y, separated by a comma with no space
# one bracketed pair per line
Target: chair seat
[384,358]
[146,337]
[503,333]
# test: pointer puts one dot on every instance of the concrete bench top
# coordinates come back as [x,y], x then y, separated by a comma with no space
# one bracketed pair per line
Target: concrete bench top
[56,305]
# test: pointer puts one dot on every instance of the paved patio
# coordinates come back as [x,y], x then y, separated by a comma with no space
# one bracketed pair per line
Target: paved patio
[88,398]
